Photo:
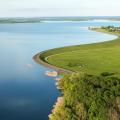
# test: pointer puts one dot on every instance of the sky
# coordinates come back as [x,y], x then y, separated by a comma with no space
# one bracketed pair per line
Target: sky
[38,8]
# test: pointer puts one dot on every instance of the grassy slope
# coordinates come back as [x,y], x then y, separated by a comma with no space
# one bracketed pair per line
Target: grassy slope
[92,58]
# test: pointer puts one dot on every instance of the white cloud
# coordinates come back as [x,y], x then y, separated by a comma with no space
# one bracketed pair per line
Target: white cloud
[58,7]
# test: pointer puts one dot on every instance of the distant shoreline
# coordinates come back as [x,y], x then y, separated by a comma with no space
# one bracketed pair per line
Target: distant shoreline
[57,19]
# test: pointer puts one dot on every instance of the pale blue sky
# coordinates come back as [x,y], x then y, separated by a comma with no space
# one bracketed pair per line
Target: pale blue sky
[31,8]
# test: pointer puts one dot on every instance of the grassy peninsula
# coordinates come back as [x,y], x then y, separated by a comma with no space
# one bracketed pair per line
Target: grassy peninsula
[92,92]
[91,58]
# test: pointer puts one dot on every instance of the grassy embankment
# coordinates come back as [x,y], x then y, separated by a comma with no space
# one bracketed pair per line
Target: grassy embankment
[91,58]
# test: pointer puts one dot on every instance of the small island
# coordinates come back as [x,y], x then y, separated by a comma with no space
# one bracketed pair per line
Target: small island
[91,91]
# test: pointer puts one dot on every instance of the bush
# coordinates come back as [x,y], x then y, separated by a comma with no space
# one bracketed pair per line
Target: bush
[89,97]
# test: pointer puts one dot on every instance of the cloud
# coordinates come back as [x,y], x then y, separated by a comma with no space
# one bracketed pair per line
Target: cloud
[59,7]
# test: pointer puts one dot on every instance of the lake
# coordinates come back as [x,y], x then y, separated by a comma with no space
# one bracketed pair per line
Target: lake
[25,92]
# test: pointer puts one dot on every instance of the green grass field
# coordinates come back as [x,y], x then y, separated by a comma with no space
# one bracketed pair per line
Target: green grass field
[92,58]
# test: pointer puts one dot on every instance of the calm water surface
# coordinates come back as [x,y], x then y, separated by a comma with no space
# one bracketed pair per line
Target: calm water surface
[25,92]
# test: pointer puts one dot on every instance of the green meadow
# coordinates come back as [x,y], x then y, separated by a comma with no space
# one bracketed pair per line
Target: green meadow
[91,58]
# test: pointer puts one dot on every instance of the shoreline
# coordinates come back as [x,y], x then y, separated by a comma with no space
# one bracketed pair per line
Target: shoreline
[61,70]
[45,64]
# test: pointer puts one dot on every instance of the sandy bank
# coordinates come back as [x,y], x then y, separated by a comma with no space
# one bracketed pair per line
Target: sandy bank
[38,59]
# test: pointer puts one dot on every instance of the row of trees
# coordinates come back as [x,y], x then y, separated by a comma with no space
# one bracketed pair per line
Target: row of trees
[89,97]
[111,28]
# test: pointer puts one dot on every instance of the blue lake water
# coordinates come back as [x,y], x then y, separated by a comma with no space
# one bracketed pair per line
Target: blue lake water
[25,92]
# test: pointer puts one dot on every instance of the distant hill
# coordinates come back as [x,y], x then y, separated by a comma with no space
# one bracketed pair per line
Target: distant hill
[42,19]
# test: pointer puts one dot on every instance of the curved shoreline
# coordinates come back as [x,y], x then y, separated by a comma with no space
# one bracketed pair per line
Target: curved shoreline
[44,63]
[60,70]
